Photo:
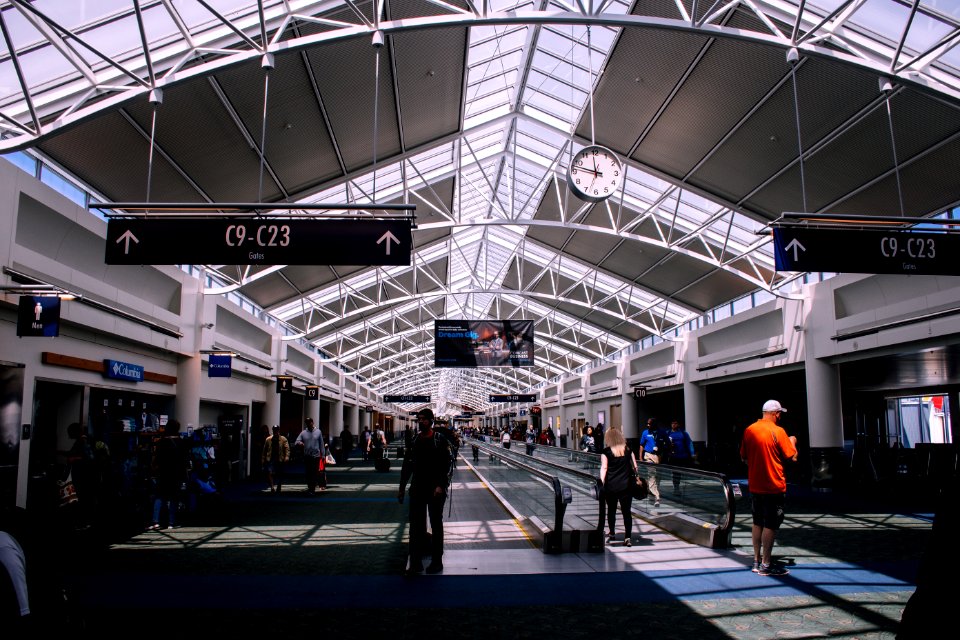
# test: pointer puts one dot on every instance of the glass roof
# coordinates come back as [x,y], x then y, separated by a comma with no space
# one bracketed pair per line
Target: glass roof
[527,89]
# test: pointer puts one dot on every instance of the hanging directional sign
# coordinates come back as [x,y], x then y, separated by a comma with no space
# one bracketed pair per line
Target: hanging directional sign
[269,241]
[866,251]
[406,398]
[515,397]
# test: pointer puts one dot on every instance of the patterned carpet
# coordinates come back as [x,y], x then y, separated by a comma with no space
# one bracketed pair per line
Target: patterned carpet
[331,564]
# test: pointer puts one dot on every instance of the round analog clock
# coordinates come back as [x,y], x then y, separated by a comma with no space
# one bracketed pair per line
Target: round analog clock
[594,174]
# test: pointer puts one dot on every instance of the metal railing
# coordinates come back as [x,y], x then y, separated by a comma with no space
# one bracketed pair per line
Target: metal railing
[692,504]
[519,481]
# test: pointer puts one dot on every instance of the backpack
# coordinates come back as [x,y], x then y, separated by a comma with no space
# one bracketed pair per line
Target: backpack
[664,445]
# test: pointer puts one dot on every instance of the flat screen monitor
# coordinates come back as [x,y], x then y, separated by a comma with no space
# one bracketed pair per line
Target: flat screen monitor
[483,343]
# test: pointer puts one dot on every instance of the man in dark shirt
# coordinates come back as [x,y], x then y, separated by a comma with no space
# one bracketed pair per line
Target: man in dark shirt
[430,462]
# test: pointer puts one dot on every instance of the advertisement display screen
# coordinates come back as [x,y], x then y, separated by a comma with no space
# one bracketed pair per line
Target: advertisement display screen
[483,343]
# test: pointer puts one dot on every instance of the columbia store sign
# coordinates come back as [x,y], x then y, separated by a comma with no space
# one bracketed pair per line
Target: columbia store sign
[122,370]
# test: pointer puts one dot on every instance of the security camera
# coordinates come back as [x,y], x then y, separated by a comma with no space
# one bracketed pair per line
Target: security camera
[793,56]
[377,38]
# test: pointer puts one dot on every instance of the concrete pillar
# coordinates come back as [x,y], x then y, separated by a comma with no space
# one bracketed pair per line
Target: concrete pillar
[628,408]
[189,371]
[562,435]
[824,413]
[364,420]
[312,410]
[695,411]
[271,408]
[354,420]
[336,417]
[825,420]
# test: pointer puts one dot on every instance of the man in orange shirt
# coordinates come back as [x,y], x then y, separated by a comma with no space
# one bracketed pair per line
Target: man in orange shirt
[764,449]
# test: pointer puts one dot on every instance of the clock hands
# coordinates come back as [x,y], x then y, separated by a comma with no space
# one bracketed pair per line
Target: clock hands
[603,167]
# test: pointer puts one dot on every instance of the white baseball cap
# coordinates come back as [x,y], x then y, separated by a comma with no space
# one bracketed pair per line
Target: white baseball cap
[771,406]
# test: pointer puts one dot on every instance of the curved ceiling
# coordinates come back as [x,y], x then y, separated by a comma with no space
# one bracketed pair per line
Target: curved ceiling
[471,111]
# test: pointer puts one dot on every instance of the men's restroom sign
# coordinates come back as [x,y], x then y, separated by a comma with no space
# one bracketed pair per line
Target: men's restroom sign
[39,316]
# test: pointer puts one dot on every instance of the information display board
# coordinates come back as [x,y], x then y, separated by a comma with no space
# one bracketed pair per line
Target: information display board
[483,343]
[858,250]
[307,241]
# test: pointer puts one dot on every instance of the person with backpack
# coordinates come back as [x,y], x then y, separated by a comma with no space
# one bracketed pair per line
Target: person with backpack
[430,463]
[650,454]
[681,451]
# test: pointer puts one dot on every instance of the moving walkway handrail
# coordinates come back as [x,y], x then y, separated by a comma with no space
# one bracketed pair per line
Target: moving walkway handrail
[590,480]
[559,503]
[726,521]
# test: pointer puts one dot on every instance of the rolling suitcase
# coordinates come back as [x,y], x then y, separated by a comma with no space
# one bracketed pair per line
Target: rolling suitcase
[382,464]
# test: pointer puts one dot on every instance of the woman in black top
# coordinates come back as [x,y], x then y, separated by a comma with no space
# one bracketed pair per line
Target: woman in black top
[617,470]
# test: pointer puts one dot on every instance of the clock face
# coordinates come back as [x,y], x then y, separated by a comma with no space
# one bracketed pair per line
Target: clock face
[594,174]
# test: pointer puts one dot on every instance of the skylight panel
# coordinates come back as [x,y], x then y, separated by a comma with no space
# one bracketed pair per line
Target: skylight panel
[504,60]
[195,15]
[115,39]
[510,5]
[76,14]
[557,87]
[479,106]
[925,31]
[882,17]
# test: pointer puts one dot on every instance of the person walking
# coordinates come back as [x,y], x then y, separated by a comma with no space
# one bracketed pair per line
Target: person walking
[82,470]
[378,444]
[681,447]
[311,439]
[367,439]
[276,453]
[346,444]
[531,439]
[429,462]
[649,455]
[618,468]
[764,449]
[505,439]
[170,469]
[587,442]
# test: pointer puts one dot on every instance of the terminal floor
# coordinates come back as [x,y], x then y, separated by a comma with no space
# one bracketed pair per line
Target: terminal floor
[332,565]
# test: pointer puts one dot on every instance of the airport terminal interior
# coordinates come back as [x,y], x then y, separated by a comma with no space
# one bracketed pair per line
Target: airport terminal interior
[542,220]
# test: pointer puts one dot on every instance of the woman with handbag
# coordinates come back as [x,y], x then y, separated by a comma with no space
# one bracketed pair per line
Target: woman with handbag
[618,470]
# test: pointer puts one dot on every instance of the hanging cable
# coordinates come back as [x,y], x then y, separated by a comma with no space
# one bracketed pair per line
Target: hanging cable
[267,65]
[887,89]
[593,139]
[156,99]
[377,44]
[793,57]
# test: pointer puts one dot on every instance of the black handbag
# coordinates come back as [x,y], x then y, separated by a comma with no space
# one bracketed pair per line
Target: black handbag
[638,489]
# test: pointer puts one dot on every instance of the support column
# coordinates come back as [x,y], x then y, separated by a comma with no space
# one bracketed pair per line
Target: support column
[364,420]
[354,420]
[628,414]
[312,410]
[271,406]
[825,420]
[336,419]
[562,439]
[695,411]
[189,372]
[190,368]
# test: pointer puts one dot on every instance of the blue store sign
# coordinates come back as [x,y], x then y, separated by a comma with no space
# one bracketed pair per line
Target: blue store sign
[122,370]
[220,366]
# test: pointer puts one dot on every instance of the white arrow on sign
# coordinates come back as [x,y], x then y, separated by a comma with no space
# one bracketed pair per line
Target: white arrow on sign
[388,236]
[796,246]
[126,238]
